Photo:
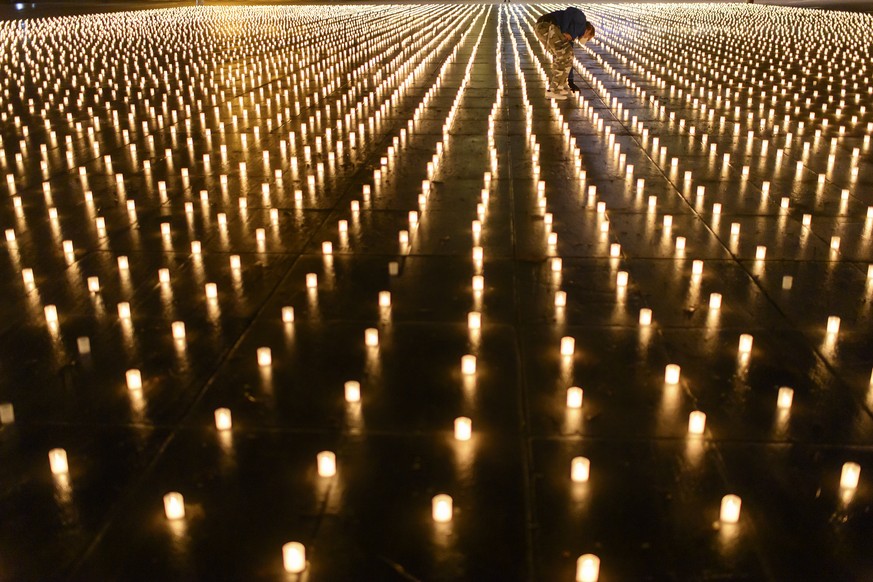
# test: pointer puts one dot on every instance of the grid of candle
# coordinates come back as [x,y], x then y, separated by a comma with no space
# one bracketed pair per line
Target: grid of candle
[335,291]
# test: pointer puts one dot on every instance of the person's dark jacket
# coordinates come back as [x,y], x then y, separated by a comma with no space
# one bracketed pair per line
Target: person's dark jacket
[571,21]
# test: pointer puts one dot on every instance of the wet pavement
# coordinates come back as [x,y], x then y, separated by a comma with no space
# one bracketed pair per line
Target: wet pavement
[352,229]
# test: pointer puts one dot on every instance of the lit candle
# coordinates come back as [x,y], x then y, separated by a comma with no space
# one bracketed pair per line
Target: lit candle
[468,365]
[745,343]
[850,475]
[178,328]
[384,299]
[288,314]
[568,346]
[587,568]
[833,325]
[784,398]
[474,320]
[265,357]
[134,379]
[672,373]
[352,391]
[730,509]
[58,462]
[371,337]
[696,422]
[174,505]
[574,397]
[441,508]
[326,464]
[621,279]
[463,428]
[294,557]
[223,419]
[715,301]
[645,316]
[580,469]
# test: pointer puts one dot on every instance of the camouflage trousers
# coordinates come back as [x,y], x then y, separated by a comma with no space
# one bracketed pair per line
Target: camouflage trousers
[560,48]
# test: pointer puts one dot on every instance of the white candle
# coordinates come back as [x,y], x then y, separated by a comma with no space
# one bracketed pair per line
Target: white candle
[294,557]
[580,469]
[174,505]
[730,509]
[326,464]
[784,398]
[672,373]
[441,508]
[574,397]
[850,475]
[587,568]
[352,391]
[134,379]
[463,428]
[696,422]
[58,461]
[645,316]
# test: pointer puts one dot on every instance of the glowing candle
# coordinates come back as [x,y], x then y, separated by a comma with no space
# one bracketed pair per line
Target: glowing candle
[174,505]
[326,464]
[327,247]
[715,301]
[560,299]
[463,428]
[574,397]
[384,299]
[478,283]
[587,568]
[672,374]
[474,320]
[696,422]
[371,337]
[441,508]
[124,310]
[730,509]
[294,557]
[58,462]
[211,291]
[746,343]
[784,398]
[223,419]
[833,325]
[178,328]
[621,279]
[311,280]
[697,268]
[760,252]
[352,391]
[850,476]
[557,265]
[645,316]
[568,346]
[265,356]
[134,379]
[580,469]
[468,365]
